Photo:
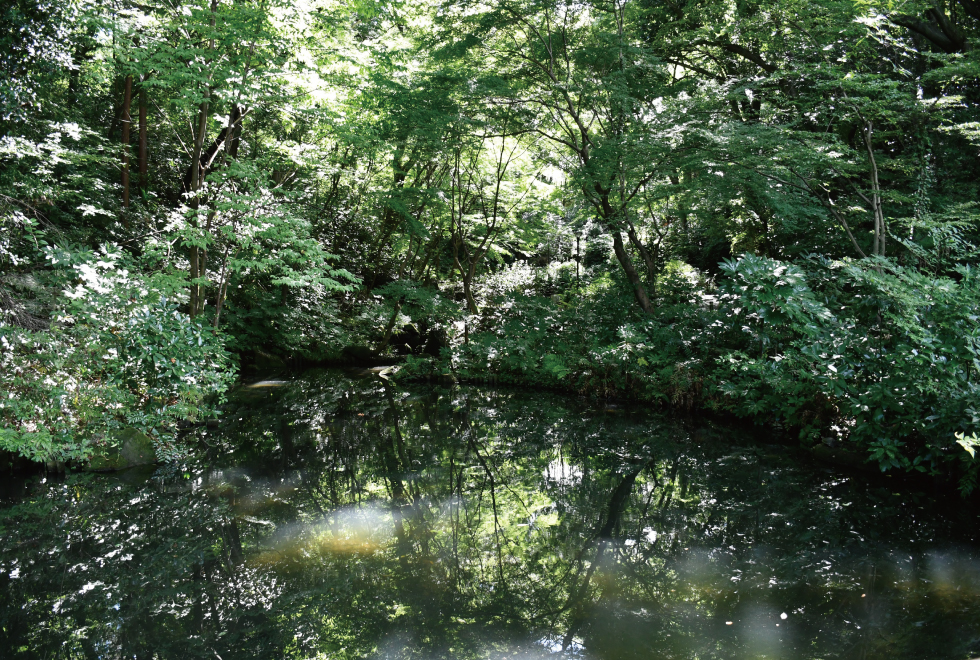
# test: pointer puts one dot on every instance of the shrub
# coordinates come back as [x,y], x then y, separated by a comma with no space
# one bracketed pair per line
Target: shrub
[118,353]
[879,355]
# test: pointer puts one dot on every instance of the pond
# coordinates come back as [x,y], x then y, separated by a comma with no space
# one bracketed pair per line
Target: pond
[339,515]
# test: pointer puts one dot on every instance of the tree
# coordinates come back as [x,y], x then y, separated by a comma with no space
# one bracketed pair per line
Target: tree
[589,87]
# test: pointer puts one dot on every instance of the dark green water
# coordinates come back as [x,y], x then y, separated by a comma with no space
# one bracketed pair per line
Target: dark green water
[339,517]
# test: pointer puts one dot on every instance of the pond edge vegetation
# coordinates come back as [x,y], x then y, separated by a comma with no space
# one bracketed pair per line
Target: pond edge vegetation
[765,210]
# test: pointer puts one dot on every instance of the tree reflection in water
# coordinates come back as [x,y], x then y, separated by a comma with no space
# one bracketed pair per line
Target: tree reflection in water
[347,517]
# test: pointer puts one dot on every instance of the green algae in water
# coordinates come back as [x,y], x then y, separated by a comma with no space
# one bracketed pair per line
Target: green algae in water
[342,517]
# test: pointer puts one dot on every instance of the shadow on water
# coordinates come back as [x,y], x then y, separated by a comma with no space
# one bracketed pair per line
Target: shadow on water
[338,515]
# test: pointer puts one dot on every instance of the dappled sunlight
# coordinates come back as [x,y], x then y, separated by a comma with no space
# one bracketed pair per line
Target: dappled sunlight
[489,329]
[348,531]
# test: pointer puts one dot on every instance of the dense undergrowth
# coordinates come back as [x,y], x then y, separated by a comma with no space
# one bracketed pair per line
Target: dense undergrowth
[868,356]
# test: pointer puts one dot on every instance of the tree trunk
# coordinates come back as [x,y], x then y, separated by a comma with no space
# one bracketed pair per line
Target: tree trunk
[431,248]
[143,154]
[390,219]
[648,260]
[195,186]
[80,54]
[237,115]
[117,91]
[468,292]
[465,274]
[196,180]
[682,204]
[634,278]
[410,255]
[126,123]
[468,282]
[232,138]
[876,206]
[194,273]
[222,289]
[609,217]
[603,535]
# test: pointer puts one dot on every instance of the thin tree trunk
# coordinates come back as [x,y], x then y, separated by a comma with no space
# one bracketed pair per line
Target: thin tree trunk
[237,117]
[682,204]
[391,218]
[196,180]
[608,214]
[430,249]
[143,154]
[80,54]
[232,140]
[466,275]
[828,204]
[202,264]
[468,292]
[879,242]
[196,175]
[195,272]
[391,327]
[606,530]
[126,123]
[232,133]
[847,228]
[117,90]
[222,289]
[410,255]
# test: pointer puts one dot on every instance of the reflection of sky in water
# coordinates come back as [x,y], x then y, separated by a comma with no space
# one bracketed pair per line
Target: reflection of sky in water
[352,519]
[563,473]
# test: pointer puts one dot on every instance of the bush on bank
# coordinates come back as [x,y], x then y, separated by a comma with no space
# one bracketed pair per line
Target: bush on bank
[875,357]
[115,353]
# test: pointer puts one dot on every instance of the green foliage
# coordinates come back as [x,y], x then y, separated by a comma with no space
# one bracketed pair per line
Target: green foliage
[117,354]
[876,356]
[535,191]
[892,370]
[771,298]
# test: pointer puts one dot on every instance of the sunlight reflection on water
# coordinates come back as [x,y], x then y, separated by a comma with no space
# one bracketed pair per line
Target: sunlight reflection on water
[340,518]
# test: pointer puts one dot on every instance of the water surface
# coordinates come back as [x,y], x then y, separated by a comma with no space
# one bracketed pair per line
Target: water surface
[342,516]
